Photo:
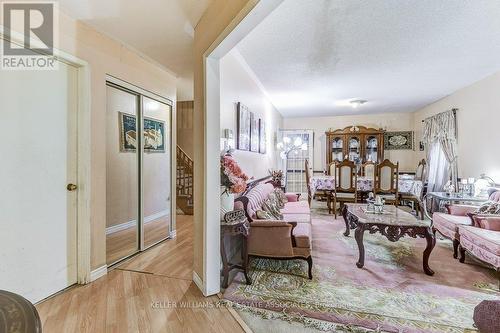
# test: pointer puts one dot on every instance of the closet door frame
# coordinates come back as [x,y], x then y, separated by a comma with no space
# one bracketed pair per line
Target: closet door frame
[141,93]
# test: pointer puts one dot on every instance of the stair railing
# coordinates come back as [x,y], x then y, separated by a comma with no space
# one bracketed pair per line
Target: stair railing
[185,167]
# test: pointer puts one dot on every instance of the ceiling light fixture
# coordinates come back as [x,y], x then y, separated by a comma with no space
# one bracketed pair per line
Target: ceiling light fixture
[357,102]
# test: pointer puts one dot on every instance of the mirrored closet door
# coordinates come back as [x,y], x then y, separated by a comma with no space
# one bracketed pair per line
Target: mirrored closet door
[138,181]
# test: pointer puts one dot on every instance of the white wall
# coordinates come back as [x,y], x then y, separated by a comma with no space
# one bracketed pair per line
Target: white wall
[388,121]
[238,84]
[478,121]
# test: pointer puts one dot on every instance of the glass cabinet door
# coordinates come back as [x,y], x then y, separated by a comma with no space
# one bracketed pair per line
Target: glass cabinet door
[337,149]
[371,148]
[354,148]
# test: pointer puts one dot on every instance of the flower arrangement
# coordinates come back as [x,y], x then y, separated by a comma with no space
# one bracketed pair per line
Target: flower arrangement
[276,176]
[232,178]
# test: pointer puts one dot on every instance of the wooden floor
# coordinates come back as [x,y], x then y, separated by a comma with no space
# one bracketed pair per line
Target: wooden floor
[152,292]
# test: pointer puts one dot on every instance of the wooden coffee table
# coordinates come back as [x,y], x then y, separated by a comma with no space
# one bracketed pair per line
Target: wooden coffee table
[393,224]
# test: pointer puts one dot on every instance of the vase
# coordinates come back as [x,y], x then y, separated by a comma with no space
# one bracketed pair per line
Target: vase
[226,202]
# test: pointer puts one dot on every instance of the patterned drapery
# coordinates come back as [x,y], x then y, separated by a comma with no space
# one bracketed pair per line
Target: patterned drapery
[442,128]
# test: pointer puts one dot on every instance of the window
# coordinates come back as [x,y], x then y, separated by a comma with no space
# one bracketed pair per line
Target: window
[294,164]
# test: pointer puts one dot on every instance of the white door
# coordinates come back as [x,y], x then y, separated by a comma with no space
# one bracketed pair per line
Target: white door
[37,162]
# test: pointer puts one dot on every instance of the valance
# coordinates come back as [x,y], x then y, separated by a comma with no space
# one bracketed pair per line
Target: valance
[440,126]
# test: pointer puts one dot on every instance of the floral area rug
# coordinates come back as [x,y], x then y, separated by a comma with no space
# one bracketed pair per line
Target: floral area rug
[390,293]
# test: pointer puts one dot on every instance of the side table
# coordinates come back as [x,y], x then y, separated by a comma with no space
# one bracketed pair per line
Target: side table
[235,224]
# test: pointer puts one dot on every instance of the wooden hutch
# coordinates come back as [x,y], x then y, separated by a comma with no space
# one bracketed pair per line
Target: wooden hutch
[358,143]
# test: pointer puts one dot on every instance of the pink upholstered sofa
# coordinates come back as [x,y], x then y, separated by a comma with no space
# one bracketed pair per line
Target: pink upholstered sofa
[285,239]
[458,216]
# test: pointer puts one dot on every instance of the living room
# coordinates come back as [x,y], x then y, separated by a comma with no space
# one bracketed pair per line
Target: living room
[358,116]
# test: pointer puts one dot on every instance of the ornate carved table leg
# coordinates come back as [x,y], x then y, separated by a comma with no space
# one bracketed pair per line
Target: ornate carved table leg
[431,241]
[346,216]
[358,234]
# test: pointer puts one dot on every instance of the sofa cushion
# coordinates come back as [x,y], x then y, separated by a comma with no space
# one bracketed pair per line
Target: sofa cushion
[490,222]
[270,206]
[256,197]
[486,239]
[299,218]
[448,224]
[489,207]
[297,207]
[302,235]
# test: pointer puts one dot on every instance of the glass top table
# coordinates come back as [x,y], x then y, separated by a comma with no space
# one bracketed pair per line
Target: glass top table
[444,197]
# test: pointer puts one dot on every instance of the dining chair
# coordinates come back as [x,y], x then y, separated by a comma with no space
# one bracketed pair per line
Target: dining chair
[368,172]
[308,178]
[418,192]
[346,179]
[421,171]
[386,184]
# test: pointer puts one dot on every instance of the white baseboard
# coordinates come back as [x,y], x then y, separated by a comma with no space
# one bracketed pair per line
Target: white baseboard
[97,273]
[199,283]
[133,223]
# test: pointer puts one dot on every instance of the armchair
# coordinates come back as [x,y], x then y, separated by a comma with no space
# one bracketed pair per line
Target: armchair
[459,216]
[278,240]
[447,224]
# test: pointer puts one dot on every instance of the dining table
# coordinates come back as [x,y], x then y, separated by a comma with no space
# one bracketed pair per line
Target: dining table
[406,184]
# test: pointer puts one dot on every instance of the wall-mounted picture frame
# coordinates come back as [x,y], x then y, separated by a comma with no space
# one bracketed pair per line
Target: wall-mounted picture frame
[262,137]
[154,134]
[254,133]
[401,140]
[242,127]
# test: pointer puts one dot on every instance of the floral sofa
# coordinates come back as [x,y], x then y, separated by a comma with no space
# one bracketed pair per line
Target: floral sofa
[286,238]
[472,231]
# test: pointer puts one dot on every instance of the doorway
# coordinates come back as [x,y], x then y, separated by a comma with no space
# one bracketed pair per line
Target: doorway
[38,177]
[138,181]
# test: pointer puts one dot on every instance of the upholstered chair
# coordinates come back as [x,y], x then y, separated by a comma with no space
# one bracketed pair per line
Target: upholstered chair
[345,184]
[386,184]
[459,216]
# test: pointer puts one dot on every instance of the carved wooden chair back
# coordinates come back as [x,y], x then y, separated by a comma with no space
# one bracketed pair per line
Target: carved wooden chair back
[345,176]
[308,178]
[368,170]
[387,177]
[421,171]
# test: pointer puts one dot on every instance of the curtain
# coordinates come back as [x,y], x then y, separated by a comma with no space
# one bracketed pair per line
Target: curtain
[441,130]
[438,168]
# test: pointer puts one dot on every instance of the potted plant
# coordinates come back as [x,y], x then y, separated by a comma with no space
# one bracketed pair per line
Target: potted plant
[233,180]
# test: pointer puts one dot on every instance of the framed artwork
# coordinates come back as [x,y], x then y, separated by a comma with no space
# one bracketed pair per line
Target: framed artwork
[262,136]
[402,140]
[243,127]
[254,133]
[154,134]
[128,133]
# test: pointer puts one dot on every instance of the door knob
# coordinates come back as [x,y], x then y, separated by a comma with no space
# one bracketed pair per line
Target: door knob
[71,187]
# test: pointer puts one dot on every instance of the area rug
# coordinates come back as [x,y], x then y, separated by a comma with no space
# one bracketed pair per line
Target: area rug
[390,293]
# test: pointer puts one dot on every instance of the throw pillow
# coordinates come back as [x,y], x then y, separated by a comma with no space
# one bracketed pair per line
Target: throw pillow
[490,207]
[272,209]
[281,196]
[263,215]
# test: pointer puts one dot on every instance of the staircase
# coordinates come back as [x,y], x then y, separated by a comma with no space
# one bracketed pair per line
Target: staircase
[184,182]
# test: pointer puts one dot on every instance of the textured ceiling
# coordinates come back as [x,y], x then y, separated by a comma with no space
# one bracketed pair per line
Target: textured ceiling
[314,56]
[162,30]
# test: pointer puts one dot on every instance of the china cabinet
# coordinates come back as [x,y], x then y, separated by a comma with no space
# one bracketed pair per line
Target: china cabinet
[357,143]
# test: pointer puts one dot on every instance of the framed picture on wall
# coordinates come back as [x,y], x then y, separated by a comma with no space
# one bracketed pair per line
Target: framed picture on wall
[254,133]
[243,127]
[402,140]
[128,132]
[154,134]
[262,136]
